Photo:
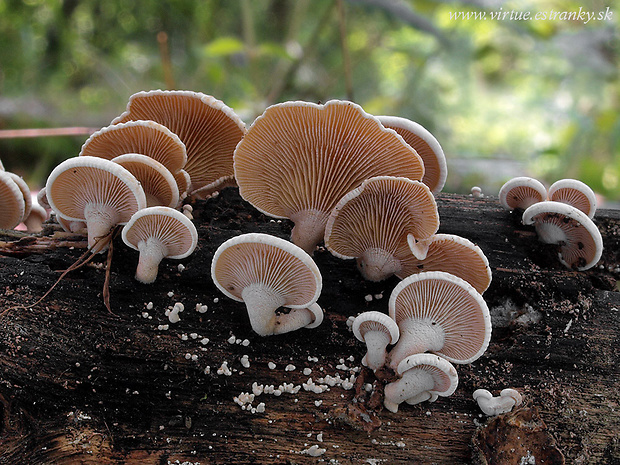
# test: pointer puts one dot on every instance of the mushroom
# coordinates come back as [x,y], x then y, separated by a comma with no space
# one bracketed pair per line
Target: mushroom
[25,191]
[12,204]
[422,377]
[426,145]
[267,273]
[521,192]
[503,403]
[158,232]
[575,193]
[579,240]
[209,129]
[452,254]
[35,219]
[371,224]
[376,330]
[298,159]
[97,191]
[159,185]
[441,313]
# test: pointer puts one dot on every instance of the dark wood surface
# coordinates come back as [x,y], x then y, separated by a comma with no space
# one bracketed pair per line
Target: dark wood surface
[82,385]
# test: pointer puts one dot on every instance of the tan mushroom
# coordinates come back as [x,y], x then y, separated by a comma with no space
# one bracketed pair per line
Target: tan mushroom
[422,377]
[440,313]
[97,191]
[578,239]
[377,330]
[372,222]
[427,146]
[35,219]
[267,273]
[12,204]
[575,193]
[521,192]
[209,129]
[158,232]
[299,159]
[25,190]
[452,254]
[158,183]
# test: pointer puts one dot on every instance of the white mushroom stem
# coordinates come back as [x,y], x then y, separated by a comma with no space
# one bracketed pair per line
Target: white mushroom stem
[496,405]
[309,229]
[100,220]
[376,342]
[377,264]
[416,336]
[422,397]
[413,384]
[261,303]
[296,319]
[152,252]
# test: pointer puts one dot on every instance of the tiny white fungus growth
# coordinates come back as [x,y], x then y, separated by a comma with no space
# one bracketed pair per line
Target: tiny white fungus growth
[149,306]
[307,371]
[319,437]
[188,356]
[181,267]
[260,408]
[193,335]
[232,339]
[216,300]
[245,361]
[184,337]
[378,296]
[145,314]
[204,341]
[368,298]
[245,342]
[318,403]
[173,315]
[194,357]
[271,365]
[170,294]
[289,367]
[314,451]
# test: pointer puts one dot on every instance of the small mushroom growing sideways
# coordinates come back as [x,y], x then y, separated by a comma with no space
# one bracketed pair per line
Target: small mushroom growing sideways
[97,191]
[521,192]
[372,223]
[12,204]
[496,405]
[423,377]
[377,330]
[577,237]
[440,313]
[267,273]
[575,193]
[35,219]
[158,233]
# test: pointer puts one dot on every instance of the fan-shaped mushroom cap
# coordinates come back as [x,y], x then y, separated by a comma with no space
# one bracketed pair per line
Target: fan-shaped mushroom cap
[42,199]
[209,129]
[35,219]
[427,146]
[158,233]
[496,405]
[452,254]
[25,190]
[377,330]
[423,377]
[371,224]
[95,190]
[441,313]
[157,181]
[298,159]
[12,204]
[579,240]
[575,193]
[267,273]
[521,192]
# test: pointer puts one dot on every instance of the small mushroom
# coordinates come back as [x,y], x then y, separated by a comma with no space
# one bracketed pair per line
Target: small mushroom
[441,313]
[579,240]
[298,159]
[491,406]
[372,222]
[159,185]
[12,204]
[452,254]
[209,129]
[96,191]
[268,273]
[158,233]
[521,192]
[35,219]
[575,193]
[422,377]
[25,190]
[377,330]
[426,145]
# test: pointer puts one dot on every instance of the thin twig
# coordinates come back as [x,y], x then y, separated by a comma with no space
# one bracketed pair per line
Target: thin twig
[346,62]
[166,63]
[46,132]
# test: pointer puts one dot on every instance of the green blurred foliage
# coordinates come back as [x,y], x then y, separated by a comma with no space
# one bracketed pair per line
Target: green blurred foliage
[503,97]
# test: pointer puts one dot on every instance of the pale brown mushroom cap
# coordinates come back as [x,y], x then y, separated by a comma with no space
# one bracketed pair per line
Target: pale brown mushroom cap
[372,222]
[377,330]
[579,240]
[299,159]
[12,203]
[575,193]
[160,186]
[426,145]
[95,190]
[439,312]
[521,192]
[25,190]
[452,254]
[35,219]
[209,129]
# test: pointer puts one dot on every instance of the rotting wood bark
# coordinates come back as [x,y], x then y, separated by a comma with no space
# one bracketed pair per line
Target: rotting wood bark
[80,385]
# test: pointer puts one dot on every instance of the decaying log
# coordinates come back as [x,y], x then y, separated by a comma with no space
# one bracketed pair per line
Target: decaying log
[82,385]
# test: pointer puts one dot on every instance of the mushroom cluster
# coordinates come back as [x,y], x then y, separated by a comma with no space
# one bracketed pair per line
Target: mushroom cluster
[561,215]
[16,205]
